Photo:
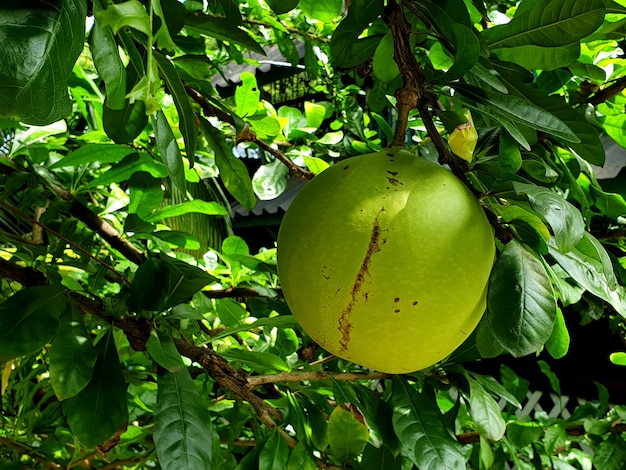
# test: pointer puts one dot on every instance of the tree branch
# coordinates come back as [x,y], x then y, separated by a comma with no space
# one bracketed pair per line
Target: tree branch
[258,380]
[22,449]
[607,93]
[246,134]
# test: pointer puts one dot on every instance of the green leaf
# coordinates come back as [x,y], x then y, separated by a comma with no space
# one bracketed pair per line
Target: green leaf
[124,170]
[145,194]
[222,30]
[347,432]
[130,13]
[195,206]
[379,459]
[558,343]
[183,432]
[316,165]
[230,312]
[611,453]
[99,410]
[419,425]
[92,153]
[275,452]
[618,358]
[485,412]
[466,53]
[166,282]
[72,357]
[533,57]
[247,95]
[323,11]
[106,59]
[29,320]
[125,124]
[186,116]
[552,378]
[168,149]
[521,308]
[282,6]
[590,266]
[346,48]
[522,434]
[258,361]
[383,65]
[162,349]
[492,385]
[40,44]
[552,24]
[233,171]
[565,220]
[270,180]
[301,458]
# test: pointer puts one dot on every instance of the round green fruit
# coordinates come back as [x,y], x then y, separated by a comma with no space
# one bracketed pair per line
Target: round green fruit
[384,261]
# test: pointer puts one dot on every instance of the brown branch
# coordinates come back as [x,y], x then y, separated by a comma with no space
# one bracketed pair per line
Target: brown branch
[609,92]
[574,430]
[22,449]
[246,134]
[258,380]
[100,226]
[412,91]
[63,238]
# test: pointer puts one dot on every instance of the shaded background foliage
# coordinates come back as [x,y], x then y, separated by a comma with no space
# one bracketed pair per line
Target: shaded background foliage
[138,329]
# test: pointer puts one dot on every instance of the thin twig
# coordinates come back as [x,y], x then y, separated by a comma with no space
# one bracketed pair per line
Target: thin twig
[258,380]
[22,449]
[63,238]
[607,93]
[246,135]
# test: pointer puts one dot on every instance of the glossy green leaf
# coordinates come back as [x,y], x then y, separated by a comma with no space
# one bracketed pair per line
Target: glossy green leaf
[419,425]
[183,432]
[126,168]
[99,410]
[282,6]
[177,238]
[551,24]
[187,207]
[162,349]
[223,30]
[145,194]
[590,266]
[72,357]
[125,124]
[347,432]
[559,341]
[315,113]
[93,153]
[466,53]
[258,361]
[40,44]
[321,10]
[130,13]
[301,458]
[521,308]
[489,76]
[383,65]
[29,319]
[555,383]
[485,412]
[565,220]
[169,150]
[166,282]
[611,453]
[346,49]
[275,453]
[492,385]
[186,116]
[618,358]
[522,434]
[380,458]
[247,95]
[614,127]
[533,57]
[231,312]
[270,180]
[108,63]
[316,165]
[233,172]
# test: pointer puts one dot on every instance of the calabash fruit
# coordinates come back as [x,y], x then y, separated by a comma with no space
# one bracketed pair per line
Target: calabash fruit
[384,260]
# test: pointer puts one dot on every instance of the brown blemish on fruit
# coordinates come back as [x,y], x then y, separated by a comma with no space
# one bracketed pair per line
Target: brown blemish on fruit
[415,303]
[393,181]
[392,173]
[396,300]
[374,246]
[397,310]
[346,167]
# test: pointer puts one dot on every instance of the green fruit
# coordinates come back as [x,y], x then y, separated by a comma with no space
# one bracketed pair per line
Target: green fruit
[384,260]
